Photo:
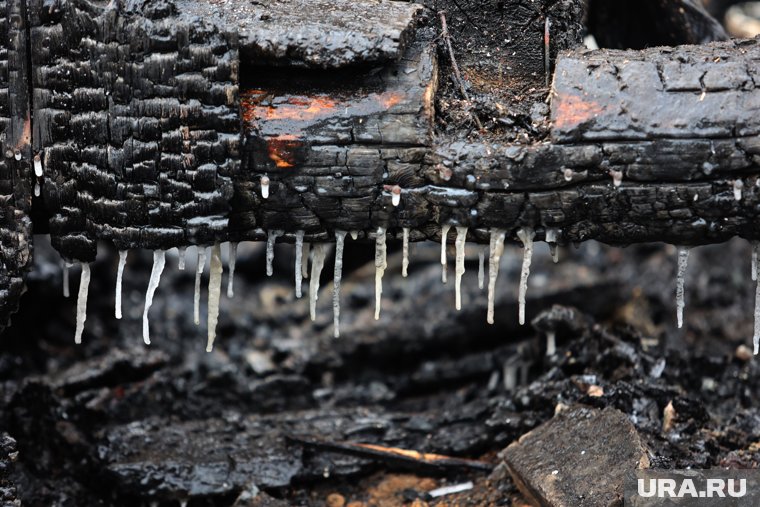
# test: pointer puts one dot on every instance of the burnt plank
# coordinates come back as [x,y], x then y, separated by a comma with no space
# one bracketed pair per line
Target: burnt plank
[689,92]
[136,124]
[315,33]
[15,160]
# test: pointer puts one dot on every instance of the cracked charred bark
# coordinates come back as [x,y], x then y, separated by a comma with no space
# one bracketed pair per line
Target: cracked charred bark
[154,132]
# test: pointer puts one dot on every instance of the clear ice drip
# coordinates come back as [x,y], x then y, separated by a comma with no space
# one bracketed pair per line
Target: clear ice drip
[84,287]
[305,256]
[198,272]
[459,263]
[380,265]
[231,275]
[181,251]
[65,268]
[119,277]
[340,240]
[481,268]
[214,294]
[683,260]
[444,234]
[319,252]
[299,262]
[738,187]
[405,253]
[159,261]
[271,238]
[755,255]
[526,235]
[496,249]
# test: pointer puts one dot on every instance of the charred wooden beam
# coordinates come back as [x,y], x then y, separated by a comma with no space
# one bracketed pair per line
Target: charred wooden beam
[143,139]
[15,160]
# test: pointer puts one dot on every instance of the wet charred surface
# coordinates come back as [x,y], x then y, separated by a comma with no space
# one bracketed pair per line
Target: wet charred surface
[136,124]
[280,405]
[316,34]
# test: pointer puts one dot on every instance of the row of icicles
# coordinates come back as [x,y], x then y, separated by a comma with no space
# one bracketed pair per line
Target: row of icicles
[318,254]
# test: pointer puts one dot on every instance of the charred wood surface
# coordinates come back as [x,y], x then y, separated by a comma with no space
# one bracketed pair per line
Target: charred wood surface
[136,121]
[15,159]
[143,139]
[314,33]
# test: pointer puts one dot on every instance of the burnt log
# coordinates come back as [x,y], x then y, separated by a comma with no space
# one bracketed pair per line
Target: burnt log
[165,167]
[15,159]
[155,128]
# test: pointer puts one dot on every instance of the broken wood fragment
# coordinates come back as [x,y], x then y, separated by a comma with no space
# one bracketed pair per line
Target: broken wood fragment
[582,453]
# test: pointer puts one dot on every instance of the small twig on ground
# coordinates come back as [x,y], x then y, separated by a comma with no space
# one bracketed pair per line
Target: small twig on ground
[389,455]
[457,75]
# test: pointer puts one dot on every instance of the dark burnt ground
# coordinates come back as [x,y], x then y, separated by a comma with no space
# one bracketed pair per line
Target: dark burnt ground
[499,47]
[114,422]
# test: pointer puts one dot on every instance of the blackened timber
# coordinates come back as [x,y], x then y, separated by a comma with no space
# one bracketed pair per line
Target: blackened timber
[15,159]
[330,147]
[325,34]
[136,120]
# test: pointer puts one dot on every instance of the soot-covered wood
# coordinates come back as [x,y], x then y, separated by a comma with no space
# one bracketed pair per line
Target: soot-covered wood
[136,121]
[144,141]
[15,159]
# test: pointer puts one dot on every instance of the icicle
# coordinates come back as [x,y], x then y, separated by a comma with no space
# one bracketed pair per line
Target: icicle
[65,266]
[756,335]
[214,294]
[265,187]
[231,275]
[38,166]
[755,254]
[159,261]
[340,240]
[494,258]
[551,239]
[551,343]
[198,272]
[617,177]
[444,234]
[181,264]
[273,235]
[481,268]
[568,174]
[405,253]
[119,277]
[299,262]
[354,235]
[526,235]
[305,260]
[396,195]
[738,186]
[380,265]
[459,263]
[317,263]
[683,259]
[84,287]
[36,189]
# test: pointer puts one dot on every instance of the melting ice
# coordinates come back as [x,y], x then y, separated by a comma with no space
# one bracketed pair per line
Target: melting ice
[159,261]
[526,235]
[380,265]
[494,258]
